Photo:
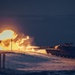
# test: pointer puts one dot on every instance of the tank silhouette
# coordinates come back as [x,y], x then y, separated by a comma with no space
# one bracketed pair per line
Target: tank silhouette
[64,50]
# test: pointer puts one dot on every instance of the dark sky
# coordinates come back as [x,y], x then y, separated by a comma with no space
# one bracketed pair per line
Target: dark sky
[50,22]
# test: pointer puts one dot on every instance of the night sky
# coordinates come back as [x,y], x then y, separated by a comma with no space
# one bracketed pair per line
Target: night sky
[49,22]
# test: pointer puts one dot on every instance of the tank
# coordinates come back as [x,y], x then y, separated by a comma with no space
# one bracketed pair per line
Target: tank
[64,50]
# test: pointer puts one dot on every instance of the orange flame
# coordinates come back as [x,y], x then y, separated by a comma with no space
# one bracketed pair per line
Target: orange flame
[9,40]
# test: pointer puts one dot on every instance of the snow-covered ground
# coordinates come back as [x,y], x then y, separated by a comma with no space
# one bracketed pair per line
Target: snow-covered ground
[30,61]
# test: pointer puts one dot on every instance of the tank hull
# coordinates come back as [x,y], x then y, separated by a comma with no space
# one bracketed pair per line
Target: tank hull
[62,53]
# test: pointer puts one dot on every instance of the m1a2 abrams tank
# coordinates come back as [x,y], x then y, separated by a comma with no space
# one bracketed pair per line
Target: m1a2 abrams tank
[64,50]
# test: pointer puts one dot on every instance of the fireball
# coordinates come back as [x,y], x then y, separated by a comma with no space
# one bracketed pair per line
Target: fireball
[9,40]
[7,34]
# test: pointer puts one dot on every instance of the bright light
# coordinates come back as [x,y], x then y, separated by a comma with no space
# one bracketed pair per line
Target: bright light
[9,40]
[7,34]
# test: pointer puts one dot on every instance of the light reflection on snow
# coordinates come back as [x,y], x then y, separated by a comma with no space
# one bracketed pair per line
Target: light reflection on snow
[36,61]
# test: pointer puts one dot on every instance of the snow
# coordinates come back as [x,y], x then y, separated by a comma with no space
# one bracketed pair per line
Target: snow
[33,61]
